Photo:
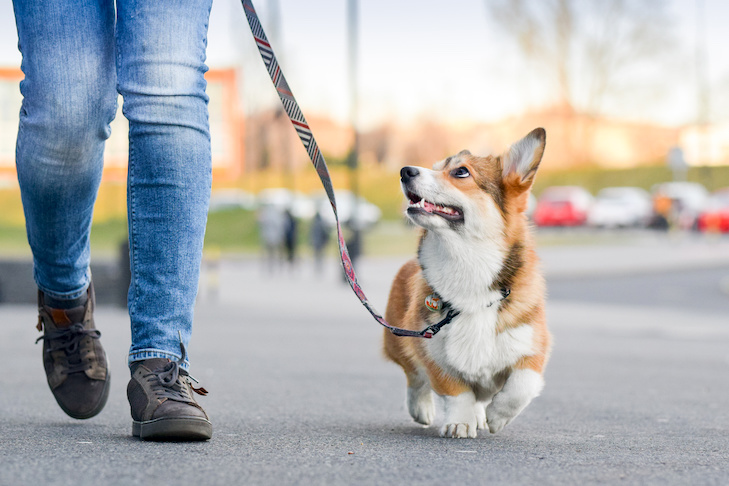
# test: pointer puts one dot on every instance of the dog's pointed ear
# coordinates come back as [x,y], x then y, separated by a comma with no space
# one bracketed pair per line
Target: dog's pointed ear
[524,156]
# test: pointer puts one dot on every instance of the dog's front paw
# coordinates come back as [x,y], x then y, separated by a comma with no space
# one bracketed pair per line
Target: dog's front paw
[461,418]
[421,405]
[496,421]
[521,387]
[458,431]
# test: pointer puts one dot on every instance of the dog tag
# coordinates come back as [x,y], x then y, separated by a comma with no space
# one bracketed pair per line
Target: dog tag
[433,303]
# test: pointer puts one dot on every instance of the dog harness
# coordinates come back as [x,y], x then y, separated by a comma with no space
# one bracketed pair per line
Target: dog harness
[292,109]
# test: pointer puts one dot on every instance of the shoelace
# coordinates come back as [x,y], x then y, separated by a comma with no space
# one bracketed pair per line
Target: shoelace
[69,340]
[169,383]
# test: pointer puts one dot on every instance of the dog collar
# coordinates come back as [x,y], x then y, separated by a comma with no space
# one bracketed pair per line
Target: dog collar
[435,303]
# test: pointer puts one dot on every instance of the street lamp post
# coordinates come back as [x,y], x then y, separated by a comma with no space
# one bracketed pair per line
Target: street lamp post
[353,160]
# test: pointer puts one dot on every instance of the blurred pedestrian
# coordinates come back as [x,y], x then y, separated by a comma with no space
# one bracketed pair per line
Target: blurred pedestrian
[77,56]
[272,226]
[290,236]
[661,212]
[319,238]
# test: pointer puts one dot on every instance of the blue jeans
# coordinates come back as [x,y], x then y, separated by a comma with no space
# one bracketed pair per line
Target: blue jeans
[76,56]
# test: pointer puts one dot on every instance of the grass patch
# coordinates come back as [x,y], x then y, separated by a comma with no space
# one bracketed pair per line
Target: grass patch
[107,237]
[13,241]
[391,238]
[232,230]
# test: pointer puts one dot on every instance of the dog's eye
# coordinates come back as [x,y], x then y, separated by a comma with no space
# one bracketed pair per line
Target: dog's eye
[460,172]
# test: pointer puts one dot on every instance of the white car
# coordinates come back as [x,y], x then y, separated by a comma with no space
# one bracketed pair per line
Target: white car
[620,207]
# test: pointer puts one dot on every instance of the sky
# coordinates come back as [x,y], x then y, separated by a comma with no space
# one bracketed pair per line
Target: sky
[423,58]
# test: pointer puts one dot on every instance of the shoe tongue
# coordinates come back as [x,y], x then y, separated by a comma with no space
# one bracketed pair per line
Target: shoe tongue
[63,318]
[155,364]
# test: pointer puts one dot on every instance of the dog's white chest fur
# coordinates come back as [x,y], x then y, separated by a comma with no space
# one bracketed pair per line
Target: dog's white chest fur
[469,347]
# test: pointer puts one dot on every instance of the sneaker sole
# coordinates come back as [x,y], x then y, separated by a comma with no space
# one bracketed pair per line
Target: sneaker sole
[173,429]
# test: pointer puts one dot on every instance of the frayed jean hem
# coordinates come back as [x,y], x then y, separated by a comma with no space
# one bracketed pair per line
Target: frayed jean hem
[143,354]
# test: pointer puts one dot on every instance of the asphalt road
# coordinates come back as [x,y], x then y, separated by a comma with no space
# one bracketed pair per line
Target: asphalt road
[636,389]
[700,290]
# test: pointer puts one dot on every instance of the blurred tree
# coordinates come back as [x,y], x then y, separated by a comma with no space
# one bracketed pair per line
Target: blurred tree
[721,106]
[378,142]
[588,47]
[430,143]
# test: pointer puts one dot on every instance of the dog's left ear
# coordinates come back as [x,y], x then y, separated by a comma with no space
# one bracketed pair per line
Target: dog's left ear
[523,159]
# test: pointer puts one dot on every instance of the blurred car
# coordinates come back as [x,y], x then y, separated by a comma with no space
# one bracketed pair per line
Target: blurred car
[620,207]
[367,214]
[687,201]
[715,218]
[225,199]
[300,205]
[562,206]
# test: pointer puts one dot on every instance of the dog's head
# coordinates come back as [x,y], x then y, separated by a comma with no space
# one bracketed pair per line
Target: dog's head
[465,193]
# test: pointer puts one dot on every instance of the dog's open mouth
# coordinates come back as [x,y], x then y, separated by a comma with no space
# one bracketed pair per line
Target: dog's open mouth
[420,205]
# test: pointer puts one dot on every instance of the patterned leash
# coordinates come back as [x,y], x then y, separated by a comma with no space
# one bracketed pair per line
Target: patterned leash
[307,138]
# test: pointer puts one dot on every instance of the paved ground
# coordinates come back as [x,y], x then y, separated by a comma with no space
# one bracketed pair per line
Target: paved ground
[636,390]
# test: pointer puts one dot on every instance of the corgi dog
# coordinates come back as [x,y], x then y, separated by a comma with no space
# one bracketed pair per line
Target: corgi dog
[476,274]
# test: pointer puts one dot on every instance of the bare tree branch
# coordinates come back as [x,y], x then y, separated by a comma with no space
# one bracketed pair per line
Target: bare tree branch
[585,45]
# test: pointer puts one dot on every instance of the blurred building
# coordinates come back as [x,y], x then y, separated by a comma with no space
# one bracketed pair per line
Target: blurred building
[227,128]
[272,143]
[706,145]
[10,100]
[574,140]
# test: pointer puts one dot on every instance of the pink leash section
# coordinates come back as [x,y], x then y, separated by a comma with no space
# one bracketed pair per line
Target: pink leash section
[307,138]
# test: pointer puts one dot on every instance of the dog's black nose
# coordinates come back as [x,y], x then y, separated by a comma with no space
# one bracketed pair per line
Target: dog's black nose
[408,172]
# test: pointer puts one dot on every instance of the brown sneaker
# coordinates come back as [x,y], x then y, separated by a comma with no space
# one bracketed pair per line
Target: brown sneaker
[74,360]
[162,404]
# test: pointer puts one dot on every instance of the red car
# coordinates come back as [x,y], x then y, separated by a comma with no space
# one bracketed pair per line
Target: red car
[715,218]
[562,206]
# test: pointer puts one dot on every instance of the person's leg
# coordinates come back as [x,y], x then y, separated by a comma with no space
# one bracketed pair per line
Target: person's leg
[69,99]
[160,67]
